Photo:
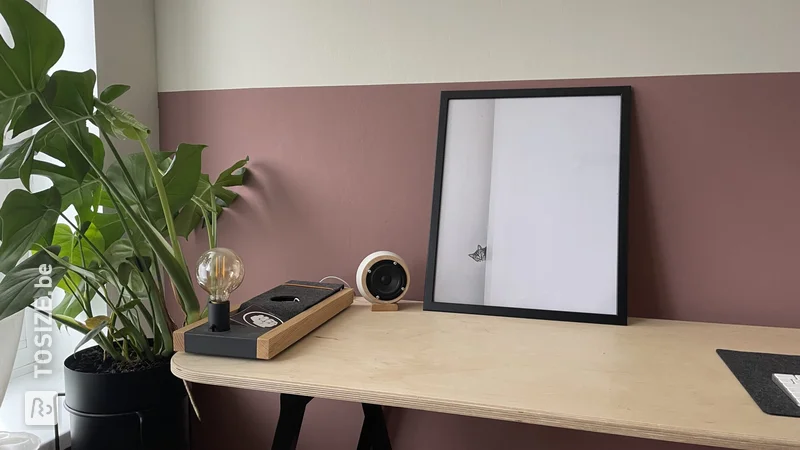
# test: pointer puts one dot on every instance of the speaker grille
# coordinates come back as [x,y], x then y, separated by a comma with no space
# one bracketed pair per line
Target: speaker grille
[386,280]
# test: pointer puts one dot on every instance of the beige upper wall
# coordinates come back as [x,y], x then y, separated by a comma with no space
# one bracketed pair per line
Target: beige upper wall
[126,54]
[223,44]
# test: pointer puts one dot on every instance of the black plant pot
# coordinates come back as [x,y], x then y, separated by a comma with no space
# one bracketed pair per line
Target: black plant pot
[142,410]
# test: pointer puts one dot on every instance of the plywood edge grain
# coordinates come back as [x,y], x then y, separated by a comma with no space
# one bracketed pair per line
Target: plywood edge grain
[591,424]
[272,343]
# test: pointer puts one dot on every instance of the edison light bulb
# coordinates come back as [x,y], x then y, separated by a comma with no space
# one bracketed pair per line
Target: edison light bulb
[219,272]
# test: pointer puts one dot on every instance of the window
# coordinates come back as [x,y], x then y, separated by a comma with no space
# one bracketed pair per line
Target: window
[23,364]
[76,21]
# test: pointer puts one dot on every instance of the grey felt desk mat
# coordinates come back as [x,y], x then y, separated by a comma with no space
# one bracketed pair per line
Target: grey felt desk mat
[754,371]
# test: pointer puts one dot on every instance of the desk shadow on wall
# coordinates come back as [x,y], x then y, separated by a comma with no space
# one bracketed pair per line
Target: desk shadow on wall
[335,425]
[646,284]
[238,419]
[428,430]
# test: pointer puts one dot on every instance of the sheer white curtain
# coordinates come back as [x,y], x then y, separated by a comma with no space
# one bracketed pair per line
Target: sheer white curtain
[12,341]
[75,19]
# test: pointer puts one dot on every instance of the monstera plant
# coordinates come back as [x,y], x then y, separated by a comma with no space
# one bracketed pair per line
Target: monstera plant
[108,228]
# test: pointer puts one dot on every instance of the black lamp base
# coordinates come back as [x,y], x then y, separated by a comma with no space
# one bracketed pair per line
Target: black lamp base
[219,316]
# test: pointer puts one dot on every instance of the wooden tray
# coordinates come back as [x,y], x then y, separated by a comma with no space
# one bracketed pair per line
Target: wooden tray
[281,337]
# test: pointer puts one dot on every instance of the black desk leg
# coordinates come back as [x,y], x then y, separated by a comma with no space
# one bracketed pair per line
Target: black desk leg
[293,408]
[374,435]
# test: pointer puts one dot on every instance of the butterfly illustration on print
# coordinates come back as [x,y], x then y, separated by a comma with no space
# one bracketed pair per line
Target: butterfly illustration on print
[479,255]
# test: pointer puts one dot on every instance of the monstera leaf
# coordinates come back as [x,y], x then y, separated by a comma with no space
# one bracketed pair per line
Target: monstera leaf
[67,94]
[145,188]
[12,157]
[75,249]
[71,94]
[54,143]
[123,259]
[81,195]
[181,171]
[31,279]
[183,174]
[10,109]
[38,45]
[234,175]
[192,214]
[69,98]
[17,160]
[26,218]
[110,226]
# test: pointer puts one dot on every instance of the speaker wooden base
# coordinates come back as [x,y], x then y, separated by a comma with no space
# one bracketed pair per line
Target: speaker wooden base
[379,307]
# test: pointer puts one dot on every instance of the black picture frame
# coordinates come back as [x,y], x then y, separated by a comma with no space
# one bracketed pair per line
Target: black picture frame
[621,316]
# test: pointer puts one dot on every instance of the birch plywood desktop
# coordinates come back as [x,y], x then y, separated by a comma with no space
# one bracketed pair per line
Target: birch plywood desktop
[653,379]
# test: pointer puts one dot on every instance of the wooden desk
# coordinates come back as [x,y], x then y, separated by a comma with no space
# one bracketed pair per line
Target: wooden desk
[653,379]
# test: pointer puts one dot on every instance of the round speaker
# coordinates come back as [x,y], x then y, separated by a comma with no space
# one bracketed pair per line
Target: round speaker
[383,277]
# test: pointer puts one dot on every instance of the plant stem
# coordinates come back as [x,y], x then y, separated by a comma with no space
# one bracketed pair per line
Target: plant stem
[142,310]
[160,314]
[122,287]
[91,244]
[191,313]
[190,305]
[106,345]
[160,286]
[162,196]
[209,231]
[214,214]
[125,172]
[83,258]
[134,332]
[74,290]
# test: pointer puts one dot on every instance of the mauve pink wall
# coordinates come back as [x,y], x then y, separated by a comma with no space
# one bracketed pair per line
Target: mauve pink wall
[338,172]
